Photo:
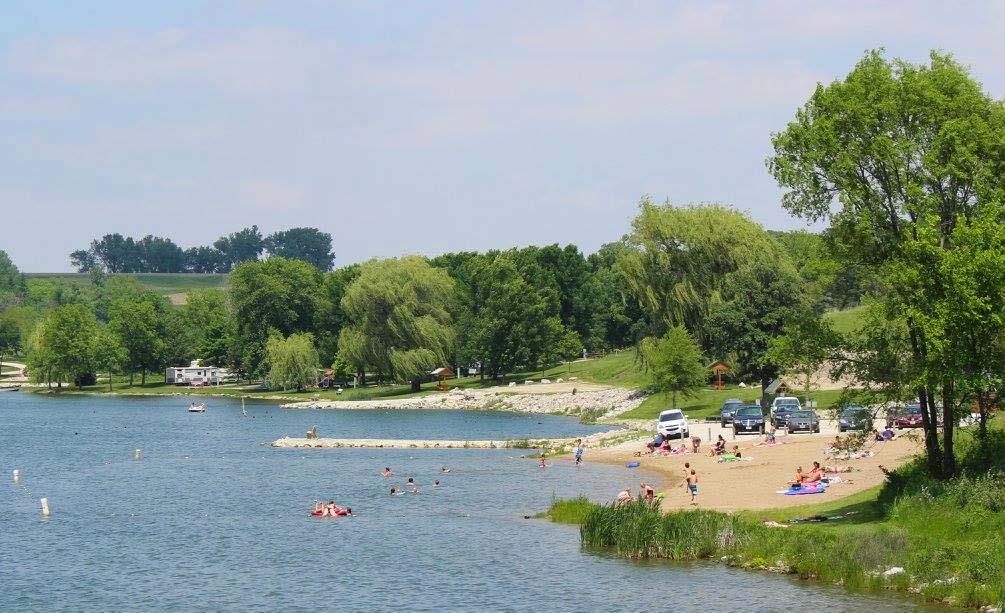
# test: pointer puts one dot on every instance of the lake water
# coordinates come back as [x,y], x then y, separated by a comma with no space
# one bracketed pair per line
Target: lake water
[214,518]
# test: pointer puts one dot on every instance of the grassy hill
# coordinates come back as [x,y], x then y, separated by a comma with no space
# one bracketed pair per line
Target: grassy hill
[171,285]
[846,320]
[622,369]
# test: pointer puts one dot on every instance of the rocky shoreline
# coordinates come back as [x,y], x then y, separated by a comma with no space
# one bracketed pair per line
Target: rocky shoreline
[601,404]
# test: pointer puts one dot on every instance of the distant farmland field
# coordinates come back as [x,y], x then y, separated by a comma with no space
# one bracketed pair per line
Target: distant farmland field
[172,285]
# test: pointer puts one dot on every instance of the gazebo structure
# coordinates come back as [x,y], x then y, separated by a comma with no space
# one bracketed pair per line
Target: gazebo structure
[442,374]
[719,369]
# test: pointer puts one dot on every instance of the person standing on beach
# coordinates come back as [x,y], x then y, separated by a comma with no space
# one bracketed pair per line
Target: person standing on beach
[692,485]
[579,451]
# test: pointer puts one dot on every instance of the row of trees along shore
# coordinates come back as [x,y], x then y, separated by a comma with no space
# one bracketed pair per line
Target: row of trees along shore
[903,164]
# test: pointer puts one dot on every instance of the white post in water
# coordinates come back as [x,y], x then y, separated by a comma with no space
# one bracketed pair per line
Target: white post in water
[45,507]
[17,475]
[138,454]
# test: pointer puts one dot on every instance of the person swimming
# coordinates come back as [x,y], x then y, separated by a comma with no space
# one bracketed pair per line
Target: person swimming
[411,482]
[541,463]
[387,472]
[436,483]
[395,491]
[444,469]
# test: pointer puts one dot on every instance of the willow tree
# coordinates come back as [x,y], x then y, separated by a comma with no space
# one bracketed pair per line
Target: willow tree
[293,361]
[896,156]
[678,258]
[401,325]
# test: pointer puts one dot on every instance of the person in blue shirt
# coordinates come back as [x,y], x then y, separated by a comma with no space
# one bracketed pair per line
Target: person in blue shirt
[655,443]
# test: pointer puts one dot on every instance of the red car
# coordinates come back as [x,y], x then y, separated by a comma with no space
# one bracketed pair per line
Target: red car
[908,416]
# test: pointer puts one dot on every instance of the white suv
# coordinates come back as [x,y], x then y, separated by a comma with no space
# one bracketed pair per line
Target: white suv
[673,422]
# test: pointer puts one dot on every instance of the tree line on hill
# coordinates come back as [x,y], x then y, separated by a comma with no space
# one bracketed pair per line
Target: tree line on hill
[904,163]
[114,253]
[506,311]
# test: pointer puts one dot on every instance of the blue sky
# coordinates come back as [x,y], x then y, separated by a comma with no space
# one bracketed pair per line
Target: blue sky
[418,127]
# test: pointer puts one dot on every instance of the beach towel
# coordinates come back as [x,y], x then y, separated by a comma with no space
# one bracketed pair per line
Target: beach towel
[806,488]
[799,491]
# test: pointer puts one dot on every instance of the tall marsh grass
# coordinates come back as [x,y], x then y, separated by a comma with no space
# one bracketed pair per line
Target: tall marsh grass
[951,545]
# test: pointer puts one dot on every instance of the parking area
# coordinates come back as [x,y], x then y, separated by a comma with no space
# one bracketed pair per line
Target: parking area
[710,431]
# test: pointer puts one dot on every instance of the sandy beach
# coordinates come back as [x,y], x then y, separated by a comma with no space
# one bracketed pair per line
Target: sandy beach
[752,483]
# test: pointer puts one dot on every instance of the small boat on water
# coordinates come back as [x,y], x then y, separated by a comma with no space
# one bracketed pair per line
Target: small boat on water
[197,408]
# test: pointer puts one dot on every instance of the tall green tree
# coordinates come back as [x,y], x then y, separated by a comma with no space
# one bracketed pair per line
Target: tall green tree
[308,244]
[674,363]
[205,260]
[331,318]
[64,348]
[758,302]
[138,326]
[273,294]
[401,320]
[243,246]
[896,156]
[293,361]
[679,257]
[509,322]
[110,354]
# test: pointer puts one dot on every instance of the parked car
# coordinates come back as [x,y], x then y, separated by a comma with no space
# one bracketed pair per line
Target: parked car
[907,416]
[781,408]
[728,410]
[854,417]
[748,418]
[673,422]
[803,419]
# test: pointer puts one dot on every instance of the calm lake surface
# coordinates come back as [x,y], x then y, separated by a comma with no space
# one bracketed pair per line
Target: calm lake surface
[214,518]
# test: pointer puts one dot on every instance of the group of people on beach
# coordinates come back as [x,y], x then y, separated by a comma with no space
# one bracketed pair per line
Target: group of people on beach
[413,487]
[661,444]
[648,492]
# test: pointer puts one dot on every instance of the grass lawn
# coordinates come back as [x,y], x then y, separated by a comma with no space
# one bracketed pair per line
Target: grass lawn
[162,283]
[619,368]
[155,386]
[864,503]
[847,320]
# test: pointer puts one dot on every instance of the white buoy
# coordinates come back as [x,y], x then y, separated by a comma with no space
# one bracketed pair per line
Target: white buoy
[45,507]
[17,475]
[138,454]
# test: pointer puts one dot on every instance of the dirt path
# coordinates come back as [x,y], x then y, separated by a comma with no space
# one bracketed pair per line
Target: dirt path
[753,483]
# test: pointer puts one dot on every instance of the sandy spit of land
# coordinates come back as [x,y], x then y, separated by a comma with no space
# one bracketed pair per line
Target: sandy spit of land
[752,484]
[546,444]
